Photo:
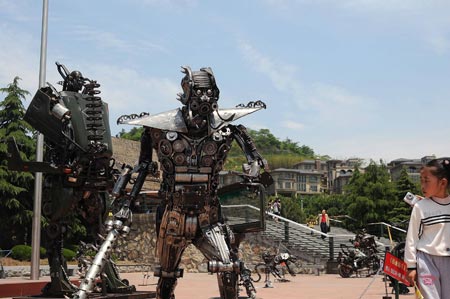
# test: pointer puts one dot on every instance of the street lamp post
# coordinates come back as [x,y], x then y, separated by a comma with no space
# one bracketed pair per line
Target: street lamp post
[36,227]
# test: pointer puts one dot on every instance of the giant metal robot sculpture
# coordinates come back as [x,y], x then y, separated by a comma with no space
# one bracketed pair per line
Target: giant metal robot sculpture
[78,172]
[192,144]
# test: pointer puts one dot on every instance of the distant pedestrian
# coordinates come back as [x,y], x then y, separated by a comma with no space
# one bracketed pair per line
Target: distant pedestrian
[276,207]
[324,222]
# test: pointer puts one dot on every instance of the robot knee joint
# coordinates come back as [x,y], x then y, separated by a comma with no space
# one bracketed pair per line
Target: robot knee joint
[218,266]
[178,273]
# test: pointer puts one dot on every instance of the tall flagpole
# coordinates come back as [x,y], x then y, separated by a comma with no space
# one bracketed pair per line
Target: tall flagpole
[36,228]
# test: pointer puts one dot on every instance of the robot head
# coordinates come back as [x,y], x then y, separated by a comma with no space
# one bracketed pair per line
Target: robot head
[74,81]
[200,92]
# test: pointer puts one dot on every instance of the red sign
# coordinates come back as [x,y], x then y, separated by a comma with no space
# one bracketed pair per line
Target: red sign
[396,268]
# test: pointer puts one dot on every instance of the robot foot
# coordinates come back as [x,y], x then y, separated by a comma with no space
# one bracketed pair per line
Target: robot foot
[165,288]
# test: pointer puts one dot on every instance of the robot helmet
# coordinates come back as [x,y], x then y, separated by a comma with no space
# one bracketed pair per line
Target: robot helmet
[74,81]
[200,91]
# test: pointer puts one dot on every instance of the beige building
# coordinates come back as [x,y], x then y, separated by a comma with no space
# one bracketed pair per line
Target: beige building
[412,167]
[339,173]
[305,178]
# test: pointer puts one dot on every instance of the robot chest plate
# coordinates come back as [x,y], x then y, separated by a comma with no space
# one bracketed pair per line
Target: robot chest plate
[184,156]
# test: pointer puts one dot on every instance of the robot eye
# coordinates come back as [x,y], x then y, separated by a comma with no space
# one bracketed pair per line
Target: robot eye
[199,92]
[209,92]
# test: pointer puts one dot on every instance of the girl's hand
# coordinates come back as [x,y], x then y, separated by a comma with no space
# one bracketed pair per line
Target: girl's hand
[412,276]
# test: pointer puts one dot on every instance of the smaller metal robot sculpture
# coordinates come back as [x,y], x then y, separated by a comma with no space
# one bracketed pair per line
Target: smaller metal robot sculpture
[192,144]
[78,174]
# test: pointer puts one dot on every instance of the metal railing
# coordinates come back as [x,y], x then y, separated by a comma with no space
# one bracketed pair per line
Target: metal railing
[2,256]
[387,230]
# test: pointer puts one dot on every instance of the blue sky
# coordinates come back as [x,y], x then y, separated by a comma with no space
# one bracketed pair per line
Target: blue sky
[349,78]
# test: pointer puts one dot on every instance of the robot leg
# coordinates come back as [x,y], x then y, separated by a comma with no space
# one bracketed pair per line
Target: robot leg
[171,245]
[246,279]
[214,246]
[59,284]
[57,206]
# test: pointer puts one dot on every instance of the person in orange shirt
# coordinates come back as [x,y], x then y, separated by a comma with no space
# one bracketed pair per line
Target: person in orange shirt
[324,222]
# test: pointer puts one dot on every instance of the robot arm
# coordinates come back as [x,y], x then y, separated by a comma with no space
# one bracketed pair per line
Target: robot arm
[254,160]
[142,169]
[146,166]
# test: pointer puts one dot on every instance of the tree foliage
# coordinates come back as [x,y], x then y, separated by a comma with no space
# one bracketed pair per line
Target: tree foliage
[370,195]
[134,134]
[400,212]
[16,204]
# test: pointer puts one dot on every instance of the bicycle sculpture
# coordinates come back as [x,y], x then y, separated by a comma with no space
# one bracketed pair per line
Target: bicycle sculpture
[362,257]
[276,265]
[78,174]
[192,144]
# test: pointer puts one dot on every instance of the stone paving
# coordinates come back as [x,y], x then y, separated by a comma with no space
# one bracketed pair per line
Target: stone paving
[327,286]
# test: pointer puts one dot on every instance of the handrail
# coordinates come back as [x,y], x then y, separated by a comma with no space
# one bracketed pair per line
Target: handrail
[290,221]
[7,250]
[388,225]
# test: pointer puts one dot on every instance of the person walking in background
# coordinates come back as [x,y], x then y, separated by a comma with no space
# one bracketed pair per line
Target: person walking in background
[324,222]
[276,208]
[427,248]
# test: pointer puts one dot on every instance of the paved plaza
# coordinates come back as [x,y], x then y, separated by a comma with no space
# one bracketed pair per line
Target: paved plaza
[326,286]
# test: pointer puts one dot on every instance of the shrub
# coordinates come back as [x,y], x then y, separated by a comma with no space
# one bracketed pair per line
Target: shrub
[68,254]
[21,252]
[42,252]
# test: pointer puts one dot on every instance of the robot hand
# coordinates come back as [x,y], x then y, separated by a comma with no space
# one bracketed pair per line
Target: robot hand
[124,213]
[252,173]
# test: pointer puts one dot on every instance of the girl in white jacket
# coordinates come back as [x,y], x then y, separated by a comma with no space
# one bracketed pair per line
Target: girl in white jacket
[427,250]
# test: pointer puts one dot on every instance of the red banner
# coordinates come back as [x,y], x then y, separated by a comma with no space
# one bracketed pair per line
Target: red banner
[396,268]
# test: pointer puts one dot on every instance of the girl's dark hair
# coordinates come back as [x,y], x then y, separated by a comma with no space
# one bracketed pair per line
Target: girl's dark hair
[441,168]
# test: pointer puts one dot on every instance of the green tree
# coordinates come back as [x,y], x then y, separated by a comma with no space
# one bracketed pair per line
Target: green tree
[16,204]
[371,195]
[134,134]
[400,213]
[290,209]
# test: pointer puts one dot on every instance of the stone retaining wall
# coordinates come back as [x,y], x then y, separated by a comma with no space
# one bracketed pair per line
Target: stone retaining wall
[136,252]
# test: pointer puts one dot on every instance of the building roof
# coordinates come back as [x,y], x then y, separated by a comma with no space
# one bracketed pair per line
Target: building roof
[299,171]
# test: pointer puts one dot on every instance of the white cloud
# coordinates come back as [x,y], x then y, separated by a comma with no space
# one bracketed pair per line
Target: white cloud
[178,5]
[439,43]
[425,21]
[328,103]
[292,125]
[127,91]
[19,57]
[110,40]
[281,75]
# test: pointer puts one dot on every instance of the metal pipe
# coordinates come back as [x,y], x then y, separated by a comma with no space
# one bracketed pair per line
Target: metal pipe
[87,284]
[36,227]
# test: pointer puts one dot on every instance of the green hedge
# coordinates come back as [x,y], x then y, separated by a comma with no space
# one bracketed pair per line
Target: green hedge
[68,254]
[42,253]
[23,253]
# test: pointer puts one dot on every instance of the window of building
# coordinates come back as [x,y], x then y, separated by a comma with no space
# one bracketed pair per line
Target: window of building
[288,175]
[301,187]
[412,169]
[288,185]
[313,188]
[313,179]
[301,179]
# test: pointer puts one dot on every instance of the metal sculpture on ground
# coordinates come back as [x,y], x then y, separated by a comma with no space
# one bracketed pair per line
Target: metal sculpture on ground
[78,176]
[192,144]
